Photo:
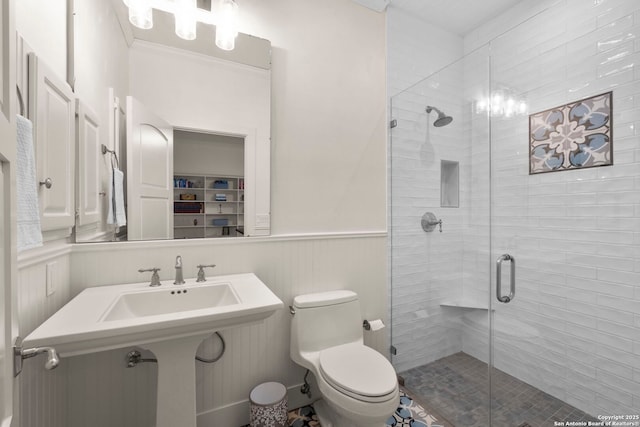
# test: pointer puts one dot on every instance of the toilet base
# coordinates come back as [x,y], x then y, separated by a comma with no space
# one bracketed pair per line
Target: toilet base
[329,418]
[324,413]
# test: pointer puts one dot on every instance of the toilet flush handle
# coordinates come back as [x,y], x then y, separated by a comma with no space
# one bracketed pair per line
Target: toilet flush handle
[292,310]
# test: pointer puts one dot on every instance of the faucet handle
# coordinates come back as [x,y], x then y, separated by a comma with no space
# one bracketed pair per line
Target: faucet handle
[155,278]
[201,268]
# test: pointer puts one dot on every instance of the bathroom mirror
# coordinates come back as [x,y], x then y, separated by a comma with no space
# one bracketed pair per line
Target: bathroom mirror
[198,89]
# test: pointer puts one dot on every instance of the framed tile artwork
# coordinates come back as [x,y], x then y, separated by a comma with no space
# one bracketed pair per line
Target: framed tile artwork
[577,135]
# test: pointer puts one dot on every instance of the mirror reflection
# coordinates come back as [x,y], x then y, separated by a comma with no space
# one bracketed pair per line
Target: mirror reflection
[208,182]
[215,123]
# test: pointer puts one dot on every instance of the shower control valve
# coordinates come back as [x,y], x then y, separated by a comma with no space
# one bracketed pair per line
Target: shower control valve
[429,222]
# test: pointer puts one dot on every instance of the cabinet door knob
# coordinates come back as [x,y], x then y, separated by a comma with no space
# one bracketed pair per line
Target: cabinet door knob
[47,183]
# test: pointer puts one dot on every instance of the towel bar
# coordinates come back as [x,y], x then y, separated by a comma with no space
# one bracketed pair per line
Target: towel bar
[105,150]
[20,101]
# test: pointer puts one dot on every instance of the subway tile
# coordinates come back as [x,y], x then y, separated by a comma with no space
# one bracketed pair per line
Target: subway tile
[618,329]
[622,61]
[611,396]
[616,198]
[632,306]
[612,16]
[624,384]
[623,262]
[583,319]
[614,360]
[628,35]
[622,277]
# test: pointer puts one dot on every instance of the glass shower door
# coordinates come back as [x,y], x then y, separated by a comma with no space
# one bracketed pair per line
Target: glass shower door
[564,345]
[440,241]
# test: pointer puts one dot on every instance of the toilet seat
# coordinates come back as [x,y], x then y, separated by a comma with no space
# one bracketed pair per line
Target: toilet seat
[359,372]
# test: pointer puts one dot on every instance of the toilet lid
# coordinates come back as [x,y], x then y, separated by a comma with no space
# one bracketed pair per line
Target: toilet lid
[358,371]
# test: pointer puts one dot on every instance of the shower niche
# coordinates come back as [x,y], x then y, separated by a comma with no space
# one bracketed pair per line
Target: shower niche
[449,184]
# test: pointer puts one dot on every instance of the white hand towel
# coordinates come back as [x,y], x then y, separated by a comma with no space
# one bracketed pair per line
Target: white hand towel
[116,214]
[28,216]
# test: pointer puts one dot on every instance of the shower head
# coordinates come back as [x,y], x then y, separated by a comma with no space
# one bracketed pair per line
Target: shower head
[442,119]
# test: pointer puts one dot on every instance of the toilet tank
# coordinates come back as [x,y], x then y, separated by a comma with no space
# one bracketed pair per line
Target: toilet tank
[324,320]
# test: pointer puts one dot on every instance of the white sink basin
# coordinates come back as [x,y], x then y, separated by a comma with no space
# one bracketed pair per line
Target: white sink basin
[108,317]
[165,300]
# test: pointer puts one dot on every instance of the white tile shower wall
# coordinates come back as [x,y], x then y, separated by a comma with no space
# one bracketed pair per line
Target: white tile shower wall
[43,397]
[427,268]
[126,397]
[573,329]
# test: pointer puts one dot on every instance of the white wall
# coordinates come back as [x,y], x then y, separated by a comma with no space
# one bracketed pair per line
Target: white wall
[207,154]
[44,26]
[328,113]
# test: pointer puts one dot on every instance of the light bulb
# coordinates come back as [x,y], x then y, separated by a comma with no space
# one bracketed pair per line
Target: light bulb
[141,13]
[185,15]
[522,108]
[227,28]
[481,106]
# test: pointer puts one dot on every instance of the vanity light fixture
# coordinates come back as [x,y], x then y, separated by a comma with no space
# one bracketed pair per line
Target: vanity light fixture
[140,13]
[187,15]
[227,29]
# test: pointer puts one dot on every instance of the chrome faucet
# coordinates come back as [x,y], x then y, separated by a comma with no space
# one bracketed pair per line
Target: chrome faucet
[201,268]
[179,279]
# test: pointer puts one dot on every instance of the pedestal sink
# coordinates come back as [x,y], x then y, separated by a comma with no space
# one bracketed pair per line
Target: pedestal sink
[169,320]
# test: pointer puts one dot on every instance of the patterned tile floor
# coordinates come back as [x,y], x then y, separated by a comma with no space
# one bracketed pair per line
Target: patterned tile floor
[410,413]
[456,387]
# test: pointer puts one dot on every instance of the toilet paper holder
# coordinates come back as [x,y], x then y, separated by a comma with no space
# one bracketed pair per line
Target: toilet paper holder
[378,324]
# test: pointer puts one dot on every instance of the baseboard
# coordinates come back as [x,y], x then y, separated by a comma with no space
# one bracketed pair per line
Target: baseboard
[237,414]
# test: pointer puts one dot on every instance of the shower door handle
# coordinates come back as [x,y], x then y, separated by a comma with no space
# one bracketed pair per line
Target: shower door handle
[512,287]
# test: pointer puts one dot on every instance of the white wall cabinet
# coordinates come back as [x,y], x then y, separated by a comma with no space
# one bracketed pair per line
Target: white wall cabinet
[208,206]
[52,111]
[88,150]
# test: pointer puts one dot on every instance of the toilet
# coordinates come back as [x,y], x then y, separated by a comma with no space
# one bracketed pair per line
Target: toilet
[358,385]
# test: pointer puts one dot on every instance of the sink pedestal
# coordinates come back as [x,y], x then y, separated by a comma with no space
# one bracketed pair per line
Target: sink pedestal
[176,405]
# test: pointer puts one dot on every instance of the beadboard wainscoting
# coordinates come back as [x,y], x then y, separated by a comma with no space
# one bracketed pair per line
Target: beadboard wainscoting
[99,390]
[42,393]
